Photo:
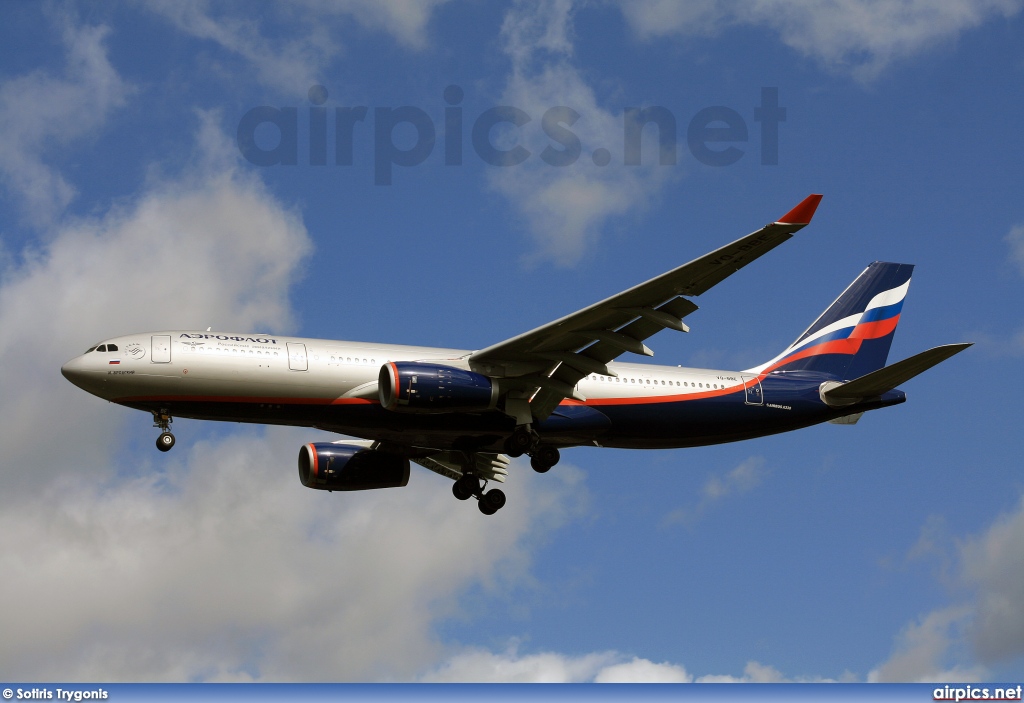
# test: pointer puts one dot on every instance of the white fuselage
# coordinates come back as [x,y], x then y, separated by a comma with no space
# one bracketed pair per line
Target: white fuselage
[252,367]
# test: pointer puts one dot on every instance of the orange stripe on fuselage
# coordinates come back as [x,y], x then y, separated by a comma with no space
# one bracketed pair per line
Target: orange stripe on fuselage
[836,346]
[641,400]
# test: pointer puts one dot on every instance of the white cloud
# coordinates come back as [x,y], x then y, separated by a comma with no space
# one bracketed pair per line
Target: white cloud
[859,36]
[639,670]
[294,59]
[956,642]
[212,248]
[994,565]
[214,563]
[482,665]
[924,648]
[1015,240]
[406,21]
[290,65]
[744,477]
[41,113]
[756,672]
[565,206]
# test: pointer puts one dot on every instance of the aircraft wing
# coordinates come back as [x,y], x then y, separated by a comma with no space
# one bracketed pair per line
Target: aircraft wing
[554,357]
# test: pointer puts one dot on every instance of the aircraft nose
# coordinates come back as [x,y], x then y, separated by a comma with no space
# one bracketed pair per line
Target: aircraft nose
[75,371]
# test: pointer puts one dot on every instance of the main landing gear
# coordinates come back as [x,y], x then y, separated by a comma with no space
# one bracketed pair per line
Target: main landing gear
[469,485]
[166,440]
[525,440]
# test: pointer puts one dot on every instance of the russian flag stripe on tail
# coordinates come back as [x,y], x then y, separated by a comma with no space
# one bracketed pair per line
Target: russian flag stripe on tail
[852,337]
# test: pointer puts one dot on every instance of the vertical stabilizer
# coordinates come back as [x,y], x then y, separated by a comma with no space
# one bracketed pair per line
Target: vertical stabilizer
[852,337]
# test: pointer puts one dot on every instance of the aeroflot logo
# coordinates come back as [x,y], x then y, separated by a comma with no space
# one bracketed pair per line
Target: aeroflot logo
[225,338]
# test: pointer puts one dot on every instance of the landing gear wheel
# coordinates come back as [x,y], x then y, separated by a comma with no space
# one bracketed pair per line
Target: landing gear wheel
[165,441]
[544,458]
[468,485]
[492,501]
[520,441]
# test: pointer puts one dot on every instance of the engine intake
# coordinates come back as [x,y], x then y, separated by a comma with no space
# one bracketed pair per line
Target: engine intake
[418,387]
[349,467]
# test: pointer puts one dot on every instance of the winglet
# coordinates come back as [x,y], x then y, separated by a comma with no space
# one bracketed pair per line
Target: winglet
[802,213]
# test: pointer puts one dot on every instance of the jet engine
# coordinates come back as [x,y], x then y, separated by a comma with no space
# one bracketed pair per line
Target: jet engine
[418,387]
[349,467]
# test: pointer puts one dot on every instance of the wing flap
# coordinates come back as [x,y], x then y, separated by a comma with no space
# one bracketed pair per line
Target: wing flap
[489,466]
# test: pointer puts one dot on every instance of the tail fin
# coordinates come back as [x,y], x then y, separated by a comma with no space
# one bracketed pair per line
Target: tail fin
[852,337]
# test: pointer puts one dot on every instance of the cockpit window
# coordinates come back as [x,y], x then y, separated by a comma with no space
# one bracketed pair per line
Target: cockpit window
[102,347]
[111,347]
[90,349]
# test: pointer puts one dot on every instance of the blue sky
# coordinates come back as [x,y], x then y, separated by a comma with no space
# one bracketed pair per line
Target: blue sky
[891,550]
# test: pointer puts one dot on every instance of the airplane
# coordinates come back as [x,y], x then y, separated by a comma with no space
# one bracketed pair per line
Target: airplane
[463,414]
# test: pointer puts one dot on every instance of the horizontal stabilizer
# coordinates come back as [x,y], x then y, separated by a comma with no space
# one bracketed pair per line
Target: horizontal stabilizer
[878,382]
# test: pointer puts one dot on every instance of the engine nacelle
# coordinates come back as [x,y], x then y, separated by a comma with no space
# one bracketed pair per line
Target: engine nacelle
[418,387]
[349,467]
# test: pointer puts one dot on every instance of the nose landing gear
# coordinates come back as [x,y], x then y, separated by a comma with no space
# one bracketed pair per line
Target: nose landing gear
[163,421]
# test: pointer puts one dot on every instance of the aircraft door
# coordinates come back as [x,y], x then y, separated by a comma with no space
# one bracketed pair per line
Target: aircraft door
[754,394]
[297,356]
[161,349]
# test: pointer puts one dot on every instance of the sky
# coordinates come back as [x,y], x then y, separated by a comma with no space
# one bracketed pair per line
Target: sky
[453,173]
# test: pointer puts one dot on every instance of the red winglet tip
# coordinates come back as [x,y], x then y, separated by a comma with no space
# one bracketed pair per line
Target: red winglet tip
[802,213]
